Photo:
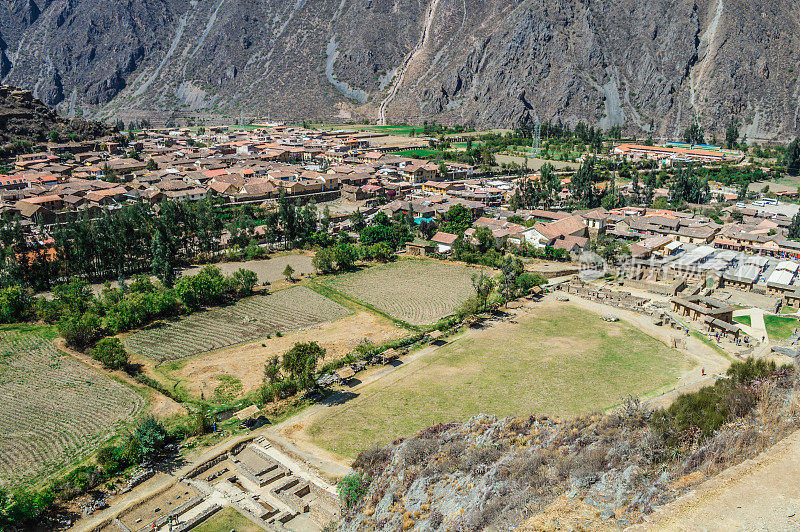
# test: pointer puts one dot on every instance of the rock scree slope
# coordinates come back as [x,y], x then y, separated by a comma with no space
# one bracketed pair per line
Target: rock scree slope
[652,67]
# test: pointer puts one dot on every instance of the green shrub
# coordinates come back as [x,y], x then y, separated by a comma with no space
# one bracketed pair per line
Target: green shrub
[112,459]
[23,507]
[275,391]
[80,331]
[352,488]
[750,370]
[707,409]
[16,304]
[149,436]
[111,353]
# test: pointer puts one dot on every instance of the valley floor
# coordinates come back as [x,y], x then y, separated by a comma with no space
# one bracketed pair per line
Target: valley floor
[726,499]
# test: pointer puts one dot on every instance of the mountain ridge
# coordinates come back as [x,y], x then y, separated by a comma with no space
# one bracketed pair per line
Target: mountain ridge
[652,68]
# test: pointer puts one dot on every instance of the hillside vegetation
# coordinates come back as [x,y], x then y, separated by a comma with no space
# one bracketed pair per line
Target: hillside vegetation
[497,473]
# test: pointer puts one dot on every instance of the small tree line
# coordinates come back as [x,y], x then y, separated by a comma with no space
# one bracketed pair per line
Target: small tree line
[83,318]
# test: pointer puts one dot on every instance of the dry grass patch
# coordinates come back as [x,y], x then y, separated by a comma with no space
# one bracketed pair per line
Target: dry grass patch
[55,410]
[555,360]
[416,291]
[246,362]
[292,309]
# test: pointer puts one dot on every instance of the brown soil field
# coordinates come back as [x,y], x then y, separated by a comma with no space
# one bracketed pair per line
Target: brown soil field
[268,270]
[246,362]
[295,308]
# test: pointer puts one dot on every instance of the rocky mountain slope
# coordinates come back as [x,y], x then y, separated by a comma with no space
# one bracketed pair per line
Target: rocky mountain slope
[24,118]
[650,66]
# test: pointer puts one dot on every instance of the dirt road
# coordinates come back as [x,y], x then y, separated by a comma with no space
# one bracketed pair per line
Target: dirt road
[758,494]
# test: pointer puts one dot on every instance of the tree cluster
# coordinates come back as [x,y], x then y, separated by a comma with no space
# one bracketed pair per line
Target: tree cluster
[512,283]
[610,249]
[531,194]
[83,318]
[296,370]
[394,233]
[688,187]
[130,240]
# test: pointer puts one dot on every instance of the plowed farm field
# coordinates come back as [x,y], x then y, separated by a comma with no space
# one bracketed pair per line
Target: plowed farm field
[292,309]
[53,409]
[416,291]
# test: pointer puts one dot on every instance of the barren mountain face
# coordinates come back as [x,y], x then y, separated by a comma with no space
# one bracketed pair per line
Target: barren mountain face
[650,66]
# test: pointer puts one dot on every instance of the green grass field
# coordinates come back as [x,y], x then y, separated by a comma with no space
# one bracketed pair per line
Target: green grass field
[393,130]
[555,361]
[416,291]
[225,520]
[418,154]
[744,320]
[788,310]
[780,328]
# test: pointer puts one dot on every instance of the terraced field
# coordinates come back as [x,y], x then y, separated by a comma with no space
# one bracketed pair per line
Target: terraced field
[54,409]
[286,310]
[417,291]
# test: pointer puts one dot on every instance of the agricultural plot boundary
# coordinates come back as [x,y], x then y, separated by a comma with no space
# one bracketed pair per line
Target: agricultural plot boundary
[415,293]
[55,410]
[250,319]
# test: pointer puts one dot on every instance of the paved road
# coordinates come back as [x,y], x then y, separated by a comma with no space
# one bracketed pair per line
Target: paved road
[757,329]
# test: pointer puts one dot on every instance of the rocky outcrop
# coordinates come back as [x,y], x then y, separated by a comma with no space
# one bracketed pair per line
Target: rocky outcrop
[652,67]
[587,473]
[28,119]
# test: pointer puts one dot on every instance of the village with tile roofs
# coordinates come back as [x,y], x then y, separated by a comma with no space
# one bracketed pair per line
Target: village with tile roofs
[349,170]
[400,252]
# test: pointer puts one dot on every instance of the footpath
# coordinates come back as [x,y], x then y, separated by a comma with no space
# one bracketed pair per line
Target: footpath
[762,493]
